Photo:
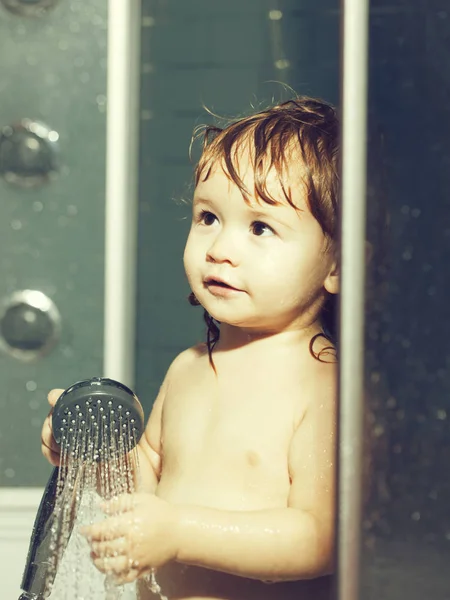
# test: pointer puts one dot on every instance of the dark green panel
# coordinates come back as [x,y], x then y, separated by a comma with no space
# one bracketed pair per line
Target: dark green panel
[52,237]
[406,539]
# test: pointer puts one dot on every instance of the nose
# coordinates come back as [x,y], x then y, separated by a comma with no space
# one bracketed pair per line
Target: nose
[223,249]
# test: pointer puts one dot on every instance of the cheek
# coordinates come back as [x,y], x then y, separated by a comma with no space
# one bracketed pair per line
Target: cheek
[287,274]
[187,257]
[192,255]
[278,268]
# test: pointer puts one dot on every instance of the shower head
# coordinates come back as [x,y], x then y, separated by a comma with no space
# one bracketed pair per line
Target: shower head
[97,417]
[94,419]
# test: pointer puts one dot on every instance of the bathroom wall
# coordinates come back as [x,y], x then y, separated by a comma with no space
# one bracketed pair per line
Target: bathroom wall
[52,190]
[226,56]
[52,198]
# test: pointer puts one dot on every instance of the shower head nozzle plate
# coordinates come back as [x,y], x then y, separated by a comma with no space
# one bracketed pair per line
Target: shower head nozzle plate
[98,418]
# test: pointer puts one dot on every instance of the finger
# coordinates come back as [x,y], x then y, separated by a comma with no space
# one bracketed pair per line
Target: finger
[127,577]
[118,565]
[119,504]
[47,437]
[53,396]
[49,447]
[110,529]
[53,458]
[117,547]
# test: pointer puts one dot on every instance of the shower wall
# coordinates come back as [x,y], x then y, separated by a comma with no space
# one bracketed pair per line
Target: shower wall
[406,538]
[52,173]
[225,56]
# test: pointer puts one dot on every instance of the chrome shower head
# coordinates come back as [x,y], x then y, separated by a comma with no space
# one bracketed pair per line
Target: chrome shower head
[107,411]
[92,419]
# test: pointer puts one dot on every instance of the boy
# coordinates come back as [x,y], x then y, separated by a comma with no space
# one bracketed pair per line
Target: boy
[237,460]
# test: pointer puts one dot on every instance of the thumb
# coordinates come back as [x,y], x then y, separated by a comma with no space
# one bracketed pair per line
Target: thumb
[53,396]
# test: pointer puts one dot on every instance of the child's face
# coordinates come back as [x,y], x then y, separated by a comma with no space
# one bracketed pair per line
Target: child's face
[274,259]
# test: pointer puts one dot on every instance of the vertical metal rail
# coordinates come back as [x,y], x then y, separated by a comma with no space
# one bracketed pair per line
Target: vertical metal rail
[354,140]
[122,159]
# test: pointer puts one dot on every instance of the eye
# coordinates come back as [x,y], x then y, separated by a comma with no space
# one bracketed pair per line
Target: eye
[261,229]
[207,218]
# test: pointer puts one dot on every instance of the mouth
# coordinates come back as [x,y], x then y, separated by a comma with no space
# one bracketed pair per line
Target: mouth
[219,283]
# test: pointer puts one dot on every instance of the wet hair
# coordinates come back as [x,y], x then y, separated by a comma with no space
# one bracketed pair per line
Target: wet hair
[303,129]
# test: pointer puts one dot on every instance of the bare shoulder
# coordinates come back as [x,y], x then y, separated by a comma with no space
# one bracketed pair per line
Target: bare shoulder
[322,382]
[186,360]
[179,371]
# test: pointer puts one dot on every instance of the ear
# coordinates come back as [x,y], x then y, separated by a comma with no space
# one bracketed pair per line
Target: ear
[331,283]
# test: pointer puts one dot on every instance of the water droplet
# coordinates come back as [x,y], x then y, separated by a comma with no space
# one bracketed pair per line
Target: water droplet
[275,15]
[148,21]
[282,63]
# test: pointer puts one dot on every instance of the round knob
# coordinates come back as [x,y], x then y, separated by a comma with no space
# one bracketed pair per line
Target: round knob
[30,325]
[28,8]
[28,153]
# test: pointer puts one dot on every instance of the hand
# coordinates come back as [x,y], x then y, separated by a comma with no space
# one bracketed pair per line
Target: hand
[141,535]
[49,447]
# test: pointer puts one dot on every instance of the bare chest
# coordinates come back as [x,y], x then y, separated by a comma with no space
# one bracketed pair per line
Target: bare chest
[227,443]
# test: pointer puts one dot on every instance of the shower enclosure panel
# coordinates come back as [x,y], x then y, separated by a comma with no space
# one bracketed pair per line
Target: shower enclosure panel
[53,58]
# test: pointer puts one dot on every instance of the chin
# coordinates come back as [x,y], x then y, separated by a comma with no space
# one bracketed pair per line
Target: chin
[224,316]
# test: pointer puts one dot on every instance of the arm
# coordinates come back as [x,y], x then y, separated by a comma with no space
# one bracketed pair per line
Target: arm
[290,543]
[147,459]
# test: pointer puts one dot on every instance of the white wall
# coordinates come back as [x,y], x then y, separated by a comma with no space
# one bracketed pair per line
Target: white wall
[18,508]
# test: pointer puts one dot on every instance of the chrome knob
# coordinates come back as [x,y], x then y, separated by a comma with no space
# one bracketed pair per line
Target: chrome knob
[29,8]
[28,153]
[30,325]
